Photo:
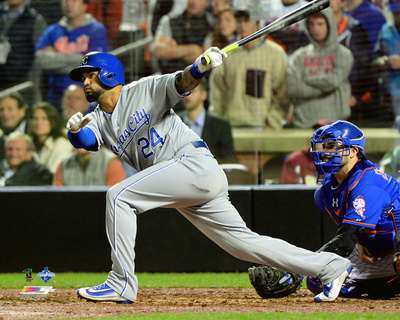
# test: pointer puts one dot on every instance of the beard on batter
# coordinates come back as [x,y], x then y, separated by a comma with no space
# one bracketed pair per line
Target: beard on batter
[94,95]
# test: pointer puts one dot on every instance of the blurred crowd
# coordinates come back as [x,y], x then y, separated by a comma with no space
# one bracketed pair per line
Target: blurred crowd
[340,63]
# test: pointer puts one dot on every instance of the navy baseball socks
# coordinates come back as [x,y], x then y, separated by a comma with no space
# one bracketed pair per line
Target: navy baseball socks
[101,293]
[331,290]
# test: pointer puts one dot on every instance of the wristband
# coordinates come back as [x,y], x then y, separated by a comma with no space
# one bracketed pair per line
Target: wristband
[195,72]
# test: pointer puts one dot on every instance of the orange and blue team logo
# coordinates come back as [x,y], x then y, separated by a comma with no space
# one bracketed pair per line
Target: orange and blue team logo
[359,206]
[46,275]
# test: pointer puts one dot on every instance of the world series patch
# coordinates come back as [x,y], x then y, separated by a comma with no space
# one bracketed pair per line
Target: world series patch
[46,275]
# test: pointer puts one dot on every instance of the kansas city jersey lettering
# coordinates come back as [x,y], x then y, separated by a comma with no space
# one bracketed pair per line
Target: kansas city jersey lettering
[135,122]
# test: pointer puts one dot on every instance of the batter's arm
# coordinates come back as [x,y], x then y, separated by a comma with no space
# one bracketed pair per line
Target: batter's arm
[190,77]
[79,135]
[185,82]
[344,241]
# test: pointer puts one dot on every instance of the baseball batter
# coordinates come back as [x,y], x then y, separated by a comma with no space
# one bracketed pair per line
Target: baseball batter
[364,202]
[175,169]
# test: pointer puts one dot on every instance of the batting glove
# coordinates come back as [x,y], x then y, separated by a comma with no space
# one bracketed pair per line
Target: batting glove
[78,121]
[216,57]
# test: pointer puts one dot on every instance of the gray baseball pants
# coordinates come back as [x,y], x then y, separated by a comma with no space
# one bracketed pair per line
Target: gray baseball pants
[197,187]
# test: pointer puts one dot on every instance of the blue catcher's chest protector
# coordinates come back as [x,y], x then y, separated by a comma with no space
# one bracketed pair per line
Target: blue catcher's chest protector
[367,198]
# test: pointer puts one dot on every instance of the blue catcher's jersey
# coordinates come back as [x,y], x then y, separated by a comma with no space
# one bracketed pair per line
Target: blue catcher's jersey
[367,198]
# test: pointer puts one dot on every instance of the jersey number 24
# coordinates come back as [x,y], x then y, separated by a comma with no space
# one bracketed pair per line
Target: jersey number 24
[155,139]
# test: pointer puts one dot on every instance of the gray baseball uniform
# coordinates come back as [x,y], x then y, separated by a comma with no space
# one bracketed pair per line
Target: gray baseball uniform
[177,170]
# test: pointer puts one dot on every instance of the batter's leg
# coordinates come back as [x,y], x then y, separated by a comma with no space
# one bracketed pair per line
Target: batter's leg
[220,221]
[181,182]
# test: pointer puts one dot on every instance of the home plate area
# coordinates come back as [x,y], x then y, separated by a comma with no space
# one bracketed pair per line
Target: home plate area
[63,303]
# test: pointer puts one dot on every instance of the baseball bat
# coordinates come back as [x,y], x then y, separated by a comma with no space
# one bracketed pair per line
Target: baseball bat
[288,19]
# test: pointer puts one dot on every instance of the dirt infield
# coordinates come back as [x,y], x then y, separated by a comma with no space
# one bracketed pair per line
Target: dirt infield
[63,303]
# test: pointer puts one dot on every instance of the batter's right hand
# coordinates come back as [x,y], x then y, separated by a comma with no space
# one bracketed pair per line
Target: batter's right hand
[78,121]
[215,57]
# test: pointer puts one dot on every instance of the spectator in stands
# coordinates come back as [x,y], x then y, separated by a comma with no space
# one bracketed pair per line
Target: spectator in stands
[249,89]
[287,37]
[50,9]
[109,13]
[21,169]
[219,5]
[352,35]
[225,31]
[13,109]
[63,44]
[298,167]
[180,39]
[370,16]
[318,74]
[48,134]
[20,29]
[383,5]
[161,8]
[214,130]
[387,56]
[73,101]
[84,168]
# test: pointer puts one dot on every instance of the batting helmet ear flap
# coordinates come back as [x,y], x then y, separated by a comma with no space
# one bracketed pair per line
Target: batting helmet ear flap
[108,78]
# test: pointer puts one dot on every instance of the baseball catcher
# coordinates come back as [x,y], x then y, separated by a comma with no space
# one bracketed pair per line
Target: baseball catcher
[270,282]
[364,202]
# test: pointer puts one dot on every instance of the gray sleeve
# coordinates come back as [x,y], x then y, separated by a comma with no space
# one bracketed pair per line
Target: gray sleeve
[164,27]
[39,27]
[59,63]
[166,83]
[297,87]
[331,81]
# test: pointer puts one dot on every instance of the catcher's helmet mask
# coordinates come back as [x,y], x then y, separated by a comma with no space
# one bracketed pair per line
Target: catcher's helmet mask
[111,71]
[340,136]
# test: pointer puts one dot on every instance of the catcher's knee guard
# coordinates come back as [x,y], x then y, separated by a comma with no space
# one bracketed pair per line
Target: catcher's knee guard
[314,285]
[270,282]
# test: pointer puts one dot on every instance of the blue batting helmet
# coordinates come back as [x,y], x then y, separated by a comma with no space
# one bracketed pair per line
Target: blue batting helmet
[334,141]
[111,69]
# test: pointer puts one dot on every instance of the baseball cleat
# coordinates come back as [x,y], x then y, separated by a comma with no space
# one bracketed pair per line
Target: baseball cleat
[103,293]
[331,290]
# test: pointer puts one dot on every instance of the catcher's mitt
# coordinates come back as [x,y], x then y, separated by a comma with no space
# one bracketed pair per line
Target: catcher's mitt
[270,282]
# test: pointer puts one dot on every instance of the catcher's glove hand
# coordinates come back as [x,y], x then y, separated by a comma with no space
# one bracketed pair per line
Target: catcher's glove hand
[270,282]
